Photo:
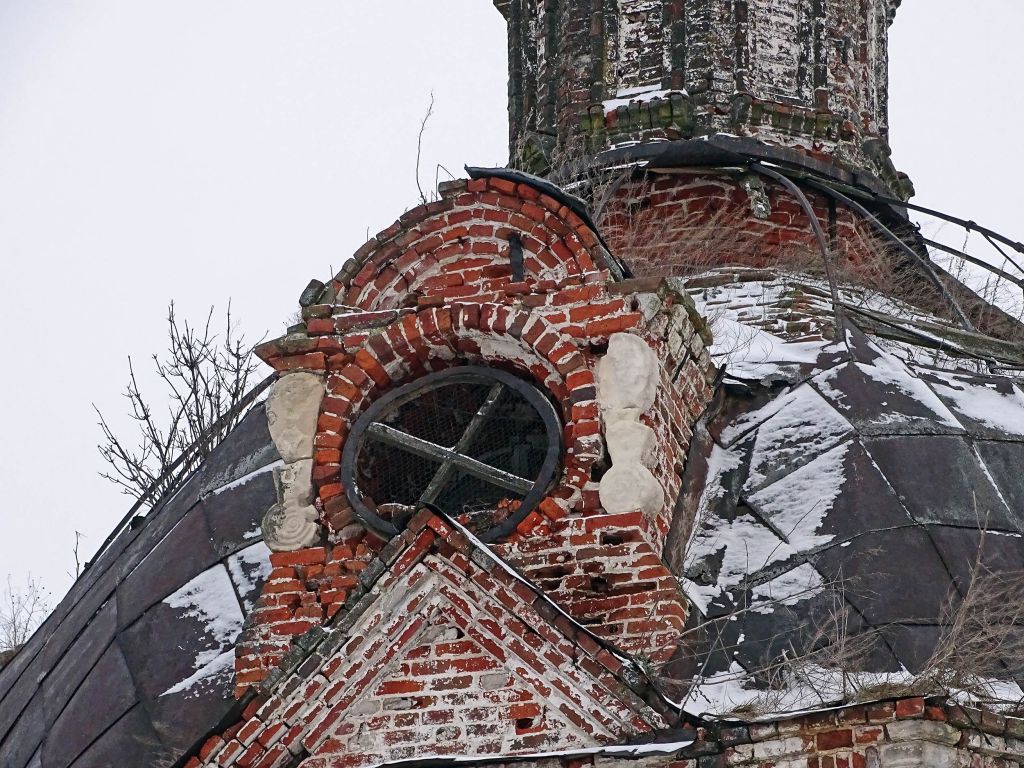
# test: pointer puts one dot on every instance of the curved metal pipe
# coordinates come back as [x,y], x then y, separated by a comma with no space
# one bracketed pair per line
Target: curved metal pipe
[965,223]
[973,260]
[917,258]
[819,233]
[1002,253]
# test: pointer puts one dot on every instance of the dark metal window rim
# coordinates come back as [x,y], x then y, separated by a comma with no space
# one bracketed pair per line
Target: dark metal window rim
[368,426]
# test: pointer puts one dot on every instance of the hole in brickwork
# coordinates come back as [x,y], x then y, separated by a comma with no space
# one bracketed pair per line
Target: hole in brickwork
[630,588]
[477,443]
[524,724]
[599,584]
[552,572]
[618,538]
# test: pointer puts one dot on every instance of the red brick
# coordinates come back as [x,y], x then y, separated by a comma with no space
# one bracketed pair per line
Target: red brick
[293,627]
[910,707]
[315,361]
[612,325]
[398,686]
[373,368]
[829,740]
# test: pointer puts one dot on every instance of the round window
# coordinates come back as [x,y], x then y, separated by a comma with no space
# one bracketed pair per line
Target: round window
[478,443]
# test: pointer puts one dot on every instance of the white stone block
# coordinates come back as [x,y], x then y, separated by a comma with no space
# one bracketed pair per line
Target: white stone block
[293,407]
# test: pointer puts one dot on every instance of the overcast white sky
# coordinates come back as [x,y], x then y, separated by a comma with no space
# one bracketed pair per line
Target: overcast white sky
[206,150]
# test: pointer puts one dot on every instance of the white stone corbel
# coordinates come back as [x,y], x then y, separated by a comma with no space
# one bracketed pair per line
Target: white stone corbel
[627,384]
[293,408]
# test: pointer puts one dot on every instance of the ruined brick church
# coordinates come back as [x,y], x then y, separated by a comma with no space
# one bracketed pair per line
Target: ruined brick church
[671,444]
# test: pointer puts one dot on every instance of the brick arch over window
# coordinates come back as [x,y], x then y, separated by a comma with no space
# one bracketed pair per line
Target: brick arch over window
[435,338]
[382,322]
[461,246]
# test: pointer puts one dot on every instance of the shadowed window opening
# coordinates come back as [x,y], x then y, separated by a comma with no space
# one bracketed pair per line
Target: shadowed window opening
[480,444]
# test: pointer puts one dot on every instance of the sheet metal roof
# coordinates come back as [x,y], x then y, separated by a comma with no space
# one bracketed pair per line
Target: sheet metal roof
[136,663]
[854,481]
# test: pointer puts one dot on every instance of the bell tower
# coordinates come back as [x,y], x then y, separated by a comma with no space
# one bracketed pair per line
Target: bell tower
[807,75]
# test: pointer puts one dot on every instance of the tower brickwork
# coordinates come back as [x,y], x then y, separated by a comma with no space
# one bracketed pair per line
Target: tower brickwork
[804,74]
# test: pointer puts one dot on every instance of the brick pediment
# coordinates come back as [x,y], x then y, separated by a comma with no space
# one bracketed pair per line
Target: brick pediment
[447,652]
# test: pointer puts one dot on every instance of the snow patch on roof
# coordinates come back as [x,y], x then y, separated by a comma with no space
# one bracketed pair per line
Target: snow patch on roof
[244,479]
[220,669]
[249,569]
[211,599]
[812,689]
[751,353]
[983,403]
[803,426]
[789,588]
[744,545]
[797,504]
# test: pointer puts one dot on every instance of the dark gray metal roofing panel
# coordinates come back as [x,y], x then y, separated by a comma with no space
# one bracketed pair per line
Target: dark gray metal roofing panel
[884,402]
[13,704]
[913,644]
[130,742]
[105,695]
[59,663]
[30,728]
[55,644]
[1004,461]
[234,514]
[866,503]
[183,554]
[940,479]
[75,665]
[871,566]
[183,719]
[973,553]
[176,636]
[249,449]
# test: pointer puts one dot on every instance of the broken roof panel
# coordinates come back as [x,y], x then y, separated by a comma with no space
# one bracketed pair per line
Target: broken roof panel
[867,481]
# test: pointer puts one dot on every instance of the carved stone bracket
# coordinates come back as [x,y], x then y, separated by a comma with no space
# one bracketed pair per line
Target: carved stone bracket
[628,377]
[292,410]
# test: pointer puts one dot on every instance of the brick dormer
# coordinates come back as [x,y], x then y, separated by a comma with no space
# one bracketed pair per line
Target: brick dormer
[503,280]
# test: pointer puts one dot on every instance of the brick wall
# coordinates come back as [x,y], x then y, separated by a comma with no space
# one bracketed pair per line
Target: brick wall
[439,650]
[684,222]
[305,589]
[437,289]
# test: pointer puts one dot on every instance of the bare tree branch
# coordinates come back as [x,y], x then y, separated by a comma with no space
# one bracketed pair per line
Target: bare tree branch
[205,374]
[419,146]
[22,609]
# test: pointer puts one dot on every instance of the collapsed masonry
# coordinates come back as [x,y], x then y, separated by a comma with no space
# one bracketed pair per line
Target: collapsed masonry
[703,472]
